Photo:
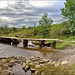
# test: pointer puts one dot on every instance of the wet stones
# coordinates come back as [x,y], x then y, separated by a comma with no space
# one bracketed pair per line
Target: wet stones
[32,64]
[9,62]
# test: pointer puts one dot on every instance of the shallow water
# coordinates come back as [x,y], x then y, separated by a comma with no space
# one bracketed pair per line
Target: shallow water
[9,50]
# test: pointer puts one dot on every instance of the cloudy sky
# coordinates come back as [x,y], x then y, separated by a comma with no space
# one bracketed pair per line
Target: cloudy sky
[20,13]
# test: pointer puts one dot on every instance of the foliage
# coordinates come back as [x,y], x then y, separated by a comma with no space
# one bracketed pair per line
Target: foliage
[44,24]
[60,30]
[62,45]
[59,70]
[51,42]
[45,20]
[69,13]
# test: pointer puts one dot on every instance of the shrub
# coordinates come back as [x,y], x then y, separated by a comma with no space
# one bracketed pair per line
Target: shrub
[62,45]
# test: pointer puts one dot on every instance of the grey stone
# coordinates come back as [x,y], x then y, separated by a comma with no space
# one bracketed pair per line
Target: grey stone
[33,70]
[27,68]
[36,72]
[53,62]
[37,66]
[23,65]
[64,62]
[57,63]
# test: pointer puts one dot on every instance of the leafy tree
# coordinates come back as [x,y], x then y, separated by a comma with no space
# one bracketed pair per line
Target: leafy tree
[14,29]
[45,25]
[69,13]
[23,27]
[45,20]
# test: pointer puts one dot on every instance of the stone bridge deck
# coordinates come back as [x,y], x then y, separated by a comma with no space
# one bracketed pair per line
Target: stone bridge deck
[29,39]
[15,40]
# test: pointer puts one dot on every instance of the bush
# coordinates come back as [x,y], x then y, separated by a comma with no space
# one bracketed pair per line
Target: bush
[62,45]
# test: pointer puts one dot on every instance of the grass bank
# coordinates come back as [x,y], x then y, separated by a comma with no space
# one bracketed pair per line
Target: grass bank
[59,70]
[64,45]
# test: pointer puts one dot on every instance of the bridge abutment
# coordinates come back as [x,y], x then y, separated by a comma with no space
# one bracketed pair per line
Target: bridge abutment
[25,43]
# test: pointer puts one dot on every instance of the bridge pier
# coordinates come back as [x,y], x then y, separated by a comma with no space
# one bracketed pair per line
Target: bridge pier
[25,43]
[41,43]
[15,42]
[6,40]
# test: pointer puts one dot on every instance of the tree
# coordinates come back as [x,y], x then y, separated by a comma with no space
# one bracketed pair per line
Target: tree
[45,20]
[14,29]
[69,13]
[45,25]
[23,27]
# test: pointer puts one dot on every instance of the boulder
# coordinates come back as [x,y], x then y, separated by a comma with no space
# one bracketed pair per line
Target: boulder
[36,73]
[23,65]
[42,64]
[27,68]
[44,61]
[64,62]
[53,62]
[42,73]
[33,70]
[37,66]
[49,62]
[28,61]
[57,63]
[34,58]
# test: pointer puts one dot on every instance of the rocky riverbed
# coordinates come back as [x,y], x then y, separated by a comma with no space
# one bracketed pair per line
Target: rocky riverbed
[7,64]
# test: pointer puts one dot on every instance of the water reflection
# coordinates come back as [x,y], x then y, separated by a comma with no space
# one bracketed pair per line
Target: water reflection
[8,50]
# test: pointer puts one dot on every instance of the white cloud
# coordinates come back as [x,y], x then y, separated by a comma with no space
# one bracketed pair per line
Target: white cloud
[20,13]
[3,4]
[6,18]
[27,20]
[40,3]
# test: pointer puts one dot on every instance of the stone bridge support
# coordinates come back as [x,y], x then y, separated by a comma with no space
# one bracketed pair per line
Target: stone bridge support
[25,43]
[15,42]
[6,40]
[41,43]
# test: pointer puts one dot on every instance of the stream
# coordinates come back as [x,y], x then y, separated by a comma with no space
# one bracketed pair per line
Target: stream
[9,50]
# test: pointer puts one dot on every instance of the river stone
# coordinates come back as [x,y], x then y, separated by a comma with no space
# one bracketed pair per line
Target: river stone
[34,59]
[27,68]
[44,61]
[57,63]
[28,61]
[33,70]
[37,46]
[13,61]
[42,73]
[23,65]
[64,62]
[36,73]
[49,62]
[21,59]
[42,64]
[36,62]
[5,66]
[53,62]
[37,66]
[3,61]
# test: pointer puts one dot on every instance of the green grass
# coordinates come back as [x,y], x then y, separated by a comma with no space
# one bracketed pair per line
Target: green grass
[59,70]
[71,38]
[63,45]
